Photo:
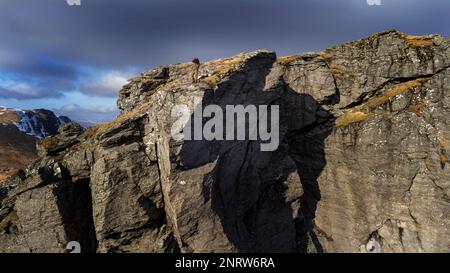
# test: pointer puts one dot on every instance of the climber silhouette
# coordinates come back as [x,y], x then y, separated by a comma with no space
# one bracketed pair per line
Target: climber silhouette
[195,69]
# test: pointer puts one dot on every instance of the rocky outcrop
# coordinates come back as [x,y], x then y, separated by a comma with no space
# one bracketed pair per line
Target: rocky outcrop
[362,165]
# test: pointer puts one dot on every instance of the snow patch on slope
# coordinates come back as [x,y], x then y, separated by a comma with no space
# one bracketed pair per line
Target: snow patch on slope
[31,124]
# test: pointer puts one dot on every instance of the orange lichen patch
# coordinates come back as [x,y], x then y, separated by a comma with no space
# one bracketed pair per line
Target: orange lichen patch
[286,60]
[417,107]
[339,69]
[444,158]
[418,41]
[183,66]
[227,61]
[10,218]
[223,67]
[351,117]
[3,177]
[7,174]
[9,116]
[212,80]
[326,54]
[394,91]
[48,142]
[94,130]
[362,112]
[91,131]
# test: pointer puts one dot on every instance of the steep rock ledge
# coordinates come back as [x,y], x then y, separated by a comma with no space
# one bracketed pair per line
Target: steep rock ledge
[362,164]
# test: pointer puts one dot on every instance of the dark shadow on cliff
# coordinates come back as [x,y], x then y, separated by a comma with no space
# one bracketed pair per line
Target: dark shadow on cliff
[74,202]
[257,195]
[306,147]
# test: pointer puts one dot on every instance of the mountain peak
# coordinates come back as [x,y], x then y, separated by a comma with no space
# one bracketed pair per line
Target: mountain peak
[38,122]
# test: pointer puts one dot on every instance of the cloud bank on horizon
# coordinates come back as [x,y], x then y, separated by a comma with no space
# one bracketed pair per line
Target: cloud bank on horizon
[74,58]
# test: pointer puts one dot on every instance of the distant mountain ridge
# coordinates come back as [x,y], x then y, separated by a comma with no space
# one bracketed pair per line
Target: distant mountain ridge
[39,123]
[19,132]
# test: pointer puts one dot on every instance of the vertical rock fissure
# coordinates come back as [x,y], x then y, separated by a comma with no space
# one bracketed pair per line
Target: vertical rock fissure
[165,202]
[74,202]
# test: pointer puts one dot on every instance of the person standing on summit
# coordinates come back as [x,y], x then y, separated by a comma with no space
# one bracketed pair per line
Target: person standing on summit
[195,70]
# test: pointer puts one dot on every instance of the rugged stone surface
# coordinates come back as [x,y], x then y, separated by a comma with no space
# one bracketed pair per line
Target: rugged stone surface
[67,136]
[362,166]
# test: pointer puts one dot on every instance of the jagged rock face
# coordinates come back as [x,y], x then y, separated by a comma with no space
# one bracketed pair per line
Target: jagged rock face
[362,165]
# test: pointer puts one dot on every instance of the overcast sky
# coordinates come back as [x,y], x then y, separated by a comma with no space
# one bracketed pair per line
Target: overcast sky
[74,59]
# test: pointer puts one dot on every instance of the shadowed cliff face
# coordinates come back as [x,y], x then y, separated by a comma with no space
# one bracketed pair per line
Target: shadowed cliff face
[247,188]
[361,166]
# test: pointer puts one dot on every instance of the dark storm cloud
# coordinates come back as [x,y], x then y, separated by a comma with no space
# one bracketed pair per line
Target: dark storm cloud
[38,67]
[114,33]
[52,48]
[31,77]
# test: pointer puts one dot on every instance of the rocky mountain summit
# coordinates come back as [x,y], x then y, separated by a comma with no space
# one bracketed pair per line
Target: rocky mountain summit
[362,166]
